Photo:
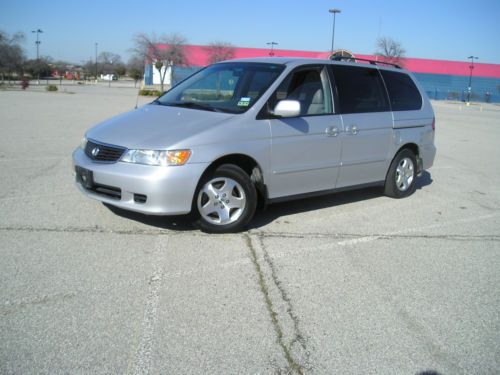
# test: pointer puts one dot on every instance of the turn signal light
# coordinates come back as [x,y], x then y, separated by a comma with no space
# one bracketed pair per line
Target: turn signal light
[178,157]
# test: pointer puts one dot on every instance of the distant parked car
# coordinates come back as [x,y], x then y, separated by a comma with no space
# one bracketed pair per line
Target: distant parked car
[269,129]
[109,77]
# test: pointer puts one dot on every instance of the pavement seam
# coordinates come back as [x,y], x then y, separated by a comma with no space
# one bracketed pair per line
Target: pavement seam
[293,364]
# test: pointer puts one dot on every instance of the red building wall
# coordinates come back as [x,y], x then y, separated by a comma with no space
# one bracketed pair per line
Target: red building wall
[198,55]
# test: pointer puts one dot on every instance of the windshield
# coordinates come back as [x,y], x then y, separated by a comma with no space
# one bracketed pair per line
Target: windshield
[225,87]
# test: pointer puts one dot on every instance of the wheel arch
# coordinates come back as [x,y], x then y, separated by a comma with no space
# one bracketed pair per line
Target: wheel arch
[410,146]
[245,162]
[413,147]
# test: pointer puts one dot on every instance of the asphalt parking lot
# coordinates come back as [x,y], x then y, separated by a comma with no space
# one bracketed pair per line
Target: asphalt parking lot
[353,283]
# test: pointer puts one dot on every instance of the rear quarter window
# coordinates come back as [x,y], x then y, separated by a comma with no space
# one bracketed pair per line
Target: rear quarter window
[403,94]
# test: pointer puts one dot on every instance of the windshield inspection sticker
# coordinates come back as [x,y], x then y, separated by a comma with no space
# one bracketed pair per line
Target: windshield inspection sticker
[244,102]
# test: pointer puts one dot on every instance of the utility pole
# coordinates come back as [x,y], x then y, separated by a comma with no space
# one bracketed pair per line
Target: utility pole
[37,31]
[96,62]
[471,67]
[272,44]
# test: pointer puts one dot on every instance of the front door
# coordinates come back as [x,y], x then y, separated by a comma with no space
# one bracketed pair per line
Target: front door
[305,150]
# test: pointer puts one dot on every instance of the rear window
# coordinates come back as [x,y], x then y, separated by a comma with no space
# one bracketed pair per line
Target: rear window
[403,94]
[360,90]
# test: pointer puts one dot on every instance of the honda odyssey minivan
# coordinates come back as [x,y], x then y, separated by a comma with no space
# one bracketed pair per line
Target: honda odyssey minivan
[268,129]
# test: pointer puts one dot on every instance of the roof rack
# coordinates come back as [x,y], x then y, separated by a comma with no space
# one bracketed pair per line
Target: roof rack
[372,62]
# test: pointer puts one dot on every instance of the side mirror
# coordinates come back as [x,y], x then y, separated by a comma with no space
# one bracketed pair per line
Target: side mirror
[287,108]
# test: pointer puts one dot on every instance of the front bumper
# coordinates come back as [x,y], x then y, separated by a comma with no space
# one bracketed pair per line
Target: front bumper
[168,190]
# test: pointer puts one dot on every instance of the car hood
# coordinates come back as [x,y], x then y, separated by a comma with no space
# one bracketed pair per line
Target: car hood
[156,127]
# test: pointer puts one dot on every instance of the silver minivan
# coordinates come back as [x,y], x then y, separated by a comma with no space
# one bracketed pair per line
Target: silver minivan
[266,129]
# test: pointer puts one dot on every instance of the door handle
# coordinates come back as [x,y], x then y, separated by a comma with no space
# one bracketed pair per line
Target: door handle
[332,131]
[351,129]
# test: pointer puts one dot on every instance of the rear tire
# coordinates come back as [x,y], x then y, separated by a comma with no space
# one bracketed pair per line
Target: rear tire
[402,175]
[225,200]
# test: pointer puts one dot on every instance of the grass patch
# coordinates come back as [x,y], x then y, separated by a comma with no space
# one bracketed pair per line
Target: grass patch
[145,92]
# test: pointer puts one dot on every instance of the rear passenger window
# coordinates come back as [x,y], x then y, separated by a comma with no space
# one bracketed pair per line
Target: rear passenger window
[360,90]
[403,94]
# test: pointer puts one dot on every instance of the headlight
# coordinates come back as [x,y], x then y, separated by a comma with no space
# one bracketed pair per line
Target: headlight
[153,157]
[83,143]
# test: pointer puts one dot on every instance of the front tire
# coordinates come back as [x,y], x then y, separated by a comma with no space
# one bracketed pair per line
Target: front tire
[402,175]
[225,200]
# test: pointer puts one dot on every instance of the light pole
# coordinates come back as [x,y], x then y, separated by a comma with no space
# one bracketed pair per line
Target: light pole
[37,31]
[334,11]
[96,61]
[272,44]
[471,67]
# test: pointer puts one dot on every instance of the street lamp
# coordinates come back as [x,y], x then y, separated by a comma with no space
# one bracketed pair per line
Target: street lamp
[96,61]
[37,31]
[334,11]
[471,67]
[272,44]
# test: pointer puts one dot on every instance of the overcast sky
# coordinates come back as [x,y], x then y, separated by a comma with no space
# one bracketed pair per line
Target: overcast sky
[439,29]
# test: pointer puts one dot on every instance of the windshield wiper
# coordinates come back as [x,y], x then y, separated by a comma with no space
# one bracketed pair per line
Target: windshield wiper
[193,105]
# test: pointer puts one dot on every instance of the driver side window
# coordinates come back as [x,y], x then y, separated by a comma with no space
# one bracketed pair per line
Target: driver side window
[310,87]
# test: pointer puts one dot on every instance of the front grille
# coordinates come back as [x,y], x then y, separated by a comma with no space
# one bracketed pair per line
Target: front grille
[105,153]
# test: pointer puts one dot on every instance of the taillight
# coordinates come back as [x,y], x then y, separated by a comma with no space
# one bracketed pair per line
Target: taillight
[434,124]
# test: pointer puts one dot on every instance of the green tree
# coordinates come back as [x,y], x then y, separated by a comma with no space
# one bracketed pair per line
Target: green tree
[38,68]
[135,69]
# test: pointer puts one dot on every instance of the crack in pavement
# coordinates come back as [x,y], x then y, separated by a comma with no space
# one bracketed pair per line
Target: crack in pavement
[96,229]
[372,236]
[298,336]
[357,237]
[295,365]
[10,307]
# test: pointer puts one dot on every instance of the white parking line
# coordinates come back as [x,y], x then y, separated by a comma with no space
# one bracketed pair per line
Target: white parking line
[149,320]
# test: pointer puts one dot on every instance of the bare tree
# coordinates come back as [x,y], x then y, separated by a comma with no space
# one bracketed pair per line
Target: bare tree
[168,50]
[89,67]
[219,51]
[390,51]
[109,61]
[11,54]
